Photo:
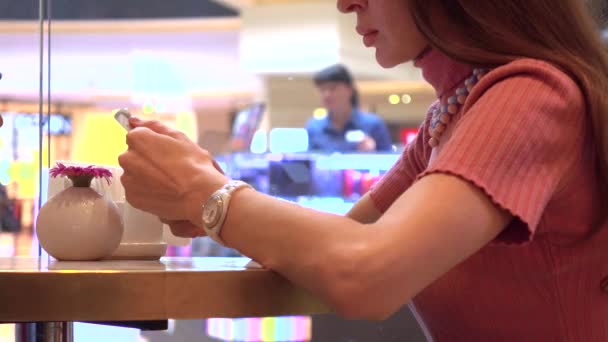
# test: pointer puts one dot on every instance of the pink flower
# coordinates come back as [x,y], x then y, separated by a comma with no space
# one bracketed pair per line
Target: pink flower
[78,174]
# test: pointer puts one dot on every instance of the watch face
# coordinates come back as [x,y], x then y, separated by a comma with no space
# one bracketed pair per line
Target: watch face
[213,211]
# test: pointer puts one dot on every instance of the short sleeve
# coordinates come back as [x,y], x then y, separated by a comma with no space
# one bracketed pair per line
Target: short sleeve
[402,175]
[518,136]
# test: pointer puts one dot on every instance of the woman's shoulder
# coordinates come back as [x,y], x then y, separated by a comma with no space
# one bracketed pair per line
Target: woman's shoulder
[530,70]
[532,66]
[528,77]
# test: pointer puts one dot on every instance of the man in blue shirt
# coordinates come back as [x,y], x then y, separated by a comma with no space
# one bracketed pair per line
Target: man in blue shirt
[345,128]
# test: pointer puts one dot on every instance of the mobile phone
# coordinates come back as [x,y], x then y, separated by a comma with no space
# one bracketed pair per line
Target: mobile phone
[122,117]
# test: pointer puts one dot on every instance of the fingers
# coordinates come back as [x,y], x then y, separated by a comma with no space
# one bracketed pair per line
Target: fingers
[151,144]
[145,202]
[134,165]
[139,174]
[157,127]
[165,220]
[156,147]
[185,229]
[143,136]
[367,144]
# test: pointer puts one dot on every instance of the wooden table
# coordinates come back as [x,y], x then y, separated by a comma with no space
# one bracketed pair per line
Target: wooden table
[33,290]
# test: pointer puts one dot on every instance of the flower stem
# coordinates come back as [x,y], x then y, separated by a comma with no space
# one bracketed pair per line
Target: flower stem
[82,181]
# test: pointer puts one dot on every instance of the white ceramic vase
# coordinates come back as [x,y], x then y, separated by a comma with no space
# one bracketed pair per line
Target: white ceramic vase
[79,224]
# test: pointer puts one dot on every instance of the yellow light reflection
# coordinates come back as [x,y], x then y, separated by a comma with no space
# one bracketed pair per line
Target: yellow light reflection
[320,113]
[84,271]
[394,99]
[186,122]
[148,109]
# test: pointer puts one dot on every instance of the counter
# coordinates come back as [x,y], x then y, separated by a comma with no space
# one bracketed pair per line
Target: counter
[33,290]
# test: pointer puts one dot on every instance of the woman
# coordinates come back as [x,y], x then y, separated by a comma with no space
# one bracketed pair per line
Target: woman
[493,221]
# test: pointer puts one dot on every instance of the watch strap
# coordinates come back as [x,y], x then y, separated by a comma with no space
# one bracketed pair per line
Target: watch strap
[224,193]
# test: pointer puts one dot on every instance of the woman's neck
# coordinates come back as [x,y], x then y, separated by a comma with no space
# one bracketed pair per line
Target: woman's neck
[442,72]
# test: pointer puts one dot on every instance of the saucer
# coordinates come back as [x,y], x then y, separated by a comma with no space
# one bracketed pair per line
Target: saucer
[139,251]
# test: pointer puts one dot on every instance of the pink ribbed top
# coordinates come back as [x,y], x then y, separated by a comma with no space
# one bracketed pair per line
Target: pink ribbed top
[523,137]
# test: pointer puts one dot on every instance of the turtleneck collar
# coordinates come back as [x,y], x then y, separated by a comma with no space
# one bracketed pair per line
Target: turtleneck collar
[442,72]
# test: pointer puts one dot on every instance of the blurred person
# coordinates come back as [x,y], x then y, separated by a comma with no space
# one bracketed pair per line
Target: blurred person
[8,218]
[346,128]
[1,119]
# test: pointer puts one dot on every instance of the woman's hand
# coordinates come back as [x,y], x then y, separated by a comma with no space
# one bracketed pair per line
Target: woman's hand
[368,144]
[184,228]
[167,174]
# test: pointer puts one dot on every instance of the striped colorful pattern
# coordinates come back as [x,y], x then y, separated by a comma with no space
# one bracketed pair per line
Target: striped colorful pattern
[267,329]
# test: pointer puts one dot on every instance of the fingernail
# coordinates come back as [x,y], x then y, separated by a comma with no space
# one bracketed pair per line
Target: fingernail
[134,119]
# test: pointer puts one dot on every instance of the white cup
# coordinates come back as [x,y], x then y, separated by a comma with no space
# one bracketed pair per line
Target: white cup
[114,190]
[139,226]
[58,184]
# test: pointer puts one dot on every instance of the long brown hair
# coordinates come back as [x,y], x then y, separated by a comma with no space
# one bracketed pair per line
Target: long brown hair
[489,33]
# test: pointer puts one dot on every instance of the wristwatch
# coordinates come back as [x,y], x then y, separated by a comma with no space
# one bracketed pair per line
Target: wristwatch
[216,208]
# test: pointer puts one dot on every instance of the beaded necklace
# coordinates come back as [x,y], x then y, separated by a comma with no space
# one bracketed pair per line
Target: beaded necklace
[442,114]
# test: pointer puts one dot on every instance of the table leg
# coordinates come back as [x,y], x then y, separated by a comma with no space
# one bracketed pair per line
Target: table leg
[44,332]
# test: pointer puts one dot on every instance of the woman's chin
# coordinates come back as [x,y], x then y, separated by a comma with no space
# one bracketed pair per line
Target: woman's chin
[387,62]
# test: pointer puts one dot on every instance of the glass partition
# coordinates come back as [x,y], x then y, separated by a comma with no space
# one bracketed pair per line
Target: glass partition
[20,137]
[22,145]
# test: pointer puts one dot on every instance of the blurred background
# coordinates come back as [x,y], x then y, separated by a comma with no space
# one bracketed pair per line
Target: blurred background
[237,77]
